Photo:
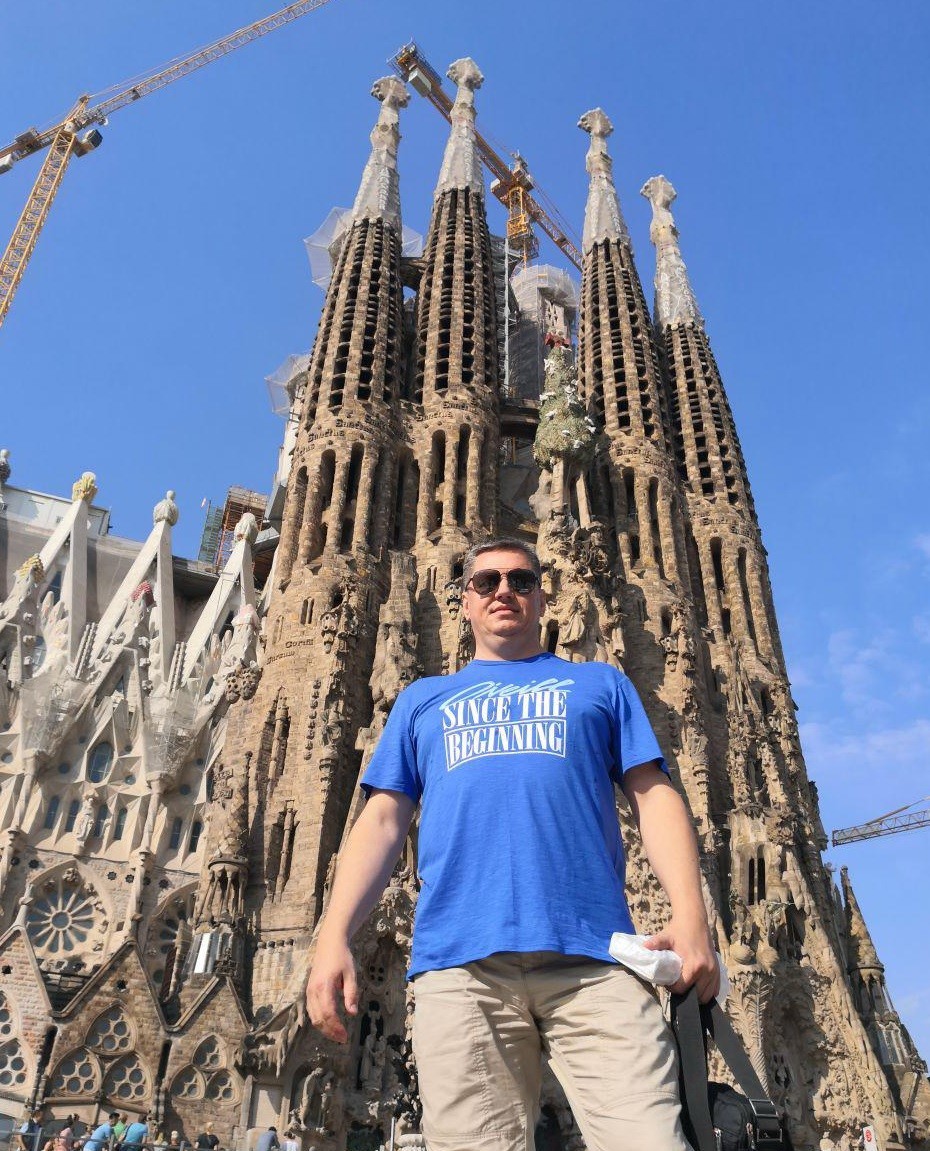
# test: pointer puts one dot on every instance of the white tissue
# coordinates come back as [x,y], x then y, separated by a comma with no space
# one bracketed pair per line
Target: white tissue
[663,968]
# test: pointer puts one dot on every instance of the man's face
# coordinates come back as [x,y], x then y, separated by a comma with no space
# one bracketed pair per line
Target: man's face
[504,618]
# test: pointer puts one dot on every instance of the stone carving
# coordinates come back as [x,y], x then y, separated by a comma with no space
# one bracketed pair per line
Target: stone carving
[85,488]
[675,301]
[166,511]
[566,434]
[87,816]
[603,219]
[246,529]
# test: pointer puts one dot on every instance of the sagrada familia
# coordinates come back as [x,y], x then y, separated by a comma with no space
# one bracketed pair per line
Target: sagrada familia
[180,744]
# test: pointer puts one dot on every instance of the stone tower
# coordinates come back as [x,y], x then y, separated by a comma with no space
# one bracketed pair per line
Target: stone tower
[179,757]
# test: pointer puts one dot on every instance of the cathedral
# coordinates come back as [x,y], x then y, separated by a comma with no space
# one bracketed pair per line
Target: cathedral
[181,742]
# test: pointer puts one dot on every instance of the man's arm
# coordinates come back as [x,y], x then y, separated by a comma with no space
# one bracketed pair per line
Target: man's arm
[671,847]
[365,866]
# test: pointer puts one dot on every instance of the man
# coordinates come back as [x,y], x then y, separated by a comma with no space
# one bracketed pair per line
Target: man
[119,1128]
[30,1132]
[521,864]
[268,1140]
[103,1134]
[136,1136]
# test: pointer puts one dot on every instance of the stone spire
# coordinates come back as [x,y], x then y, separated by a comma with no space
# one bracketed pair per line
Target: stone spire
[675,302]
[603,219]
[860,948]
[379,190]
[461,165]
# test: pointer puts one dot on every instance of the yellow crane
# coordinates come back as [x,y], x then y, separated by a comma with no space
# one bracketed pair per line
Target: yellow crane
[512,184]
[889,824]
[64,139]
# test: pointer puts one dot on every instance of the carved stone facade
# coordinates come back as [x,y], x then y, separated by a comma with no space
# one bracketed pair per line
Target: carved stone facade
[179,756]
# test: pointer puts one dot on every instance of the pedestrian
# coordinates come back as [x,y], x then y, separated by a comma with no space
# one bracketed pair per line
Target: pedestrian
[513,761]
[102,1134]
[268,1140]
[64,1140]
[119,1128]
[206,1140]
[30,1132]
[136,1136]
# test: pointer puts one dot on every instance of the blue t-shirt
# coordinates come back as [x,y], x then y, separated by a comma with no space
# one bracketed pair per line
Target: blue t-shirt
[99,1137]
[519,845]
[136,1133]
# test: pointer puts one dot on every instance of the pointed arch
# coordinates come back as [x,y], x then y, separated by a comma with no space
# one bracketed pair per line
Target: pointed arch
[77,1074]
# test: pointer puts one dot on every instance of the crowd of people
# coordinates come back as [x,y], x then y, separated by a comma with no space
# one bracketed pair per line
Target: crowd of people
[117,1133]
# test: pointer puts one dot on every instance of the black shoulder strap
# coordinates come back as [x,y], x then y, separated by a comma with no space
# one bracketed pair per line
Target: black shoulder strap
[731,1048]
[692,1070]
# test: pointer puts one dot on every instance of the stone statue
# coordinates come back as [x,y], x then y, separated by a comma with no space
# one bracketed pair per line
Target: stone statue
[166,510]
[87,817]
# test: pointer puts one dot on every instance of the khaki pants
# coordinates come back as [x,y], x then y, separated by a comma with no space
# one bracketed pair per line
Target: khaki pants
[479,1033]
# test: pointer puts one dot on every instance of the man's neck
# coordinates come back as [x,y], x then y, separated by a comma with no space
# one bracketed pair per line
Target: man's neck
[508,652]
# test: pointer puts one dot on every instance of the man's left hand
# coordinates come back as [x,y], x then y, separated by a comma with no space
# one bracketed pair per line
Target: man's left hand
[692,942]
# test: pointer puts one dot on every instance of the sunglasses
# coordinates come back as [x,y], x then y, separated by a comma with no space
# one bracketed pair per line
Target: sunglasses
[519,580]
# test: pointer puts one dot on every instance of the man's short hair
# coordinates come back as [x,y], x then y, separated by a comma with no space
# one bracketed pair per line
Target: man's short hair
[501,543]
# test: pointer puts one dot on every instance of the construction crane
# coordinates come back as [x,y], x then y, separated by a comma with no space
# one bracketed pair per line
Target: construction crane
[889,824]
[512,185]
[63,140]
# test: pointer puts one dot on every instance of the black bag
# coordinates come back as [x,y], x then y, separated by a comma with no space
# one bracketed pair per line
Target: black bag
[715,1116]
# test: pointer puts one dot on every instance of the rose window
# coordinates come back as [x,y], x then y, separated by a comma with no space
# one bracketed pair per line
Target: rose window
[126,1080]
[65,919]
[13,1065]
[76,1074]
[188,1084]
[111,1032]
[208,1056]
[6,1018]
[221,1088]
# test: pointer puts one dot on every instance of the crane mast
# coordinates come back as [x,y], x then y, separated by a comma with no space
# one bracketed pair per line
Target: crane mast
[511,185]
[63,142]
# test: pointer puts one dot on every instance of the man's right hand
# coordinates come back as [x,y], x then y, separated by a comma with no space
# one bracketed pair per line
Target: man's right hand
[331,977]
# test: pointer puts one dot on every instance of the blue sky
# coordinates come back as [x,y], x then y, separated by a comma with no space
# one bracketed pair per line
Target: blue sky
[171,278]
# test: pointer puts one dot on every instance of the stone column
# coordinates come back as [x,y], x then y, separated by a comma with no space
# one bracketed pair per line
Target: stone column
[337,507]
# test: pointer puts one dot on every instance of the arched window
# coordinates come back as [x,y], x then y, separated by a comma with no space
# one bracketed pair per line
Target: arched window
[51,812]
[103,814]
[175,840]
[101,760]
[73,808]
[196,832]
[120,826]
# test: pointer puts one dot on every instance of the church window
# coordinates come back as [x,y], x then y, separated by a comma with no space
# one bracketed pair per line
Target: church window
[221,1088]
[196,832]
[126,1080]
[174,841]
[744,591]
[716,555]
[306,612]
[73,808]
[101,760]
[100,820]
[353,478]
[461,476]
[12,1065]
[188,1084]
[120,825]
[64,768]
[552,638]
[51,812]
[111,1032]
[76,1074]
[62,920]
[209,1055]
[654,525]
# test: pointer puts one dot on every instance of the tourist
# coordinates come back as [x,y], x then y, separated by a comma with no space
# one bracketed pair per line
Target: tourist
[136,1135]
[102,1134]
[30,1132]
[119,1128]
[514,759]
[268,1140]
[64,1140]
[206,1140]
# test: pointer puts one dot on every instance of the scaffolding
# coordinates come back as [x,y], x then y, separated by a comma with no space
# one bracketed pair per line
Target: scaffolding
[219,531]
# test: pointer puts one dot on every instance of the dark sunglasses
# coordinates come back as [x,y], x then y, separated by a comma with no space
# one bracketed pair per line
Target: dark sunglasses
[519,580]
